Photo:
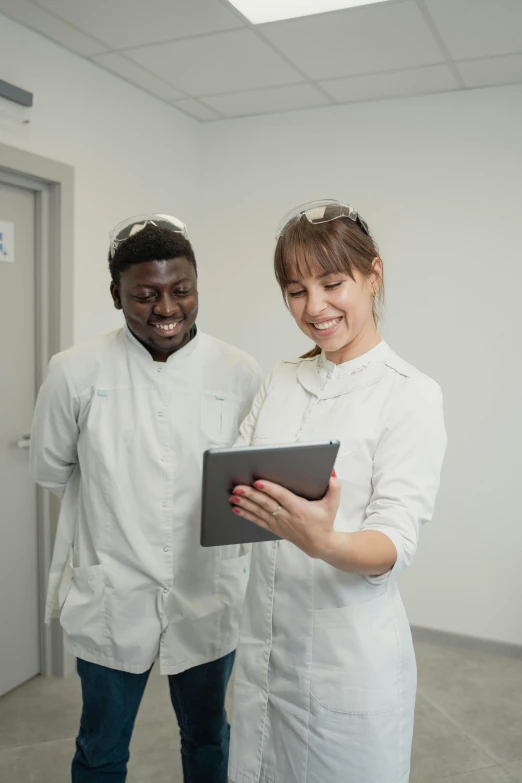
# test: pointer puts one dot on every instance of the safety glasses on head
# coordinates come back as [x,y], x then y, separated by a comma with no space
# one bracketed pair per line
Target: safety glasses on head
[127,228]
[322,211]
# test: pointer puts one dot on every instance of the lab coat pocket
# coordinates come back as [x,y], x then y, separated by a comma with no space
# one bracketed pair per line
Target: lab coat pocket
[345,450]
[231,584]
[233,551]
[65,583]
[348,464]
[219,418]
[260,440]
[355,658]
[83,614]
[232,578]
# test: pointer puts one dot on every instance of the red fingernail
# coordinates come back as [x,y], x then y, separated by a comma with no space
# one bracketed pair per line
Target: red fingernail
[236,511]
[239,492]
[334,474]
[233,499]
[259,485]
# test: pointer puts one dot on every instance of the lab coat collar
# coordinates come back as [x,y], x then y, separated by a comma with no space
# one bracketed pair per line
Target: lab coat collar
[327,380]
[139,350]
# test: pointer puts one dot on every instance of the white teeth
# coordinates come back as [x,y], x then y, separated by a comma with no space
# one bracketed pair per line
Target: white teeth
[167,327]
[327,324]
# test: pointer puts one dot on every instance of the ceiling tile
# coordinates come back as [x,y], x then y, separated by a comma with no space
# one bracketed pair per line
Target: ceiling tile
[122,23]
[360,40]
[298,96]
[227,62]
[129,70]
[43,22]
[492,71]
[478,28]
[196,109]
[418,81]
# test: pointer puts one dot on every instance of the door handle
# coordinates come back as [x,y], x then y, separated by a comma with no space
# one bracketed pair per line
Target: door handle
[25,443]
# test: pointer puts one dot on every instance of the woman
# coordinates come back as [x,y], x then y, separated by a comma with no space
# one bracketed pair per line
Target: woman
[326,675]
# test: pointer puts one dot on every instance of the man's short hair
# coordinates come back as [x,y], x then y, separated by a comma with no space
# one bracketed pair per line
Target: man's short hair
[150,244]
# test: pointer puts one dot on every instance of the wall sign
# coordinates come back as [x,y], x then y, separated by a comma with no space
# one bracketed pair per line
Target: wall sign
[6,242]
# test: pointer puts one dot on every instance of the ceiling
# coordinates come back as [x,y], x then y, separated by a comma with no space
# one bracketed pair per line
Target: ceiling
[206,59]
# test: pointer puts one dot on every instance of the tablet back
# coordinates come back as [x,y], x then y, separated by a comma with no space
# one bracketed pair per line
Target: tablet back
[303,468]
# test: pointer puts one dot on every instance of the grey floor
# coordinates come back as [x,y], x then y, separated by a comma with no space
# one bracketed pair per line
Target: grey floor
[468,724]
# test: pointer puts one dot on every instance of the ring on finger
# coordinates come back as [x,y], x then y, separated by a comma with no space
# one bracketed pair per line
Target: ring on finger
[276,512]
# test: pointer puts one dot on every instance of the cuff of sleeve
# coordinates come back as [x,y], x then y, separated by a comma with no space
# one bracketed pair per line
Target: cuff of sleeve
[396,539]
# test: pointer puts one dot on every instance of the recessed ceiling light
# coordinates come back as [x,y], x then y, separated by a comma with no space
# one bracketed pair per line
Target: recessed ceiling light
[259,11]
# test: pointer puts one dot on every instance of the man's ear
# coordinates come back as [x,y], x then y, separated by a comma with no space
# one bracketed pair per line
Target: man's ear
[115,293]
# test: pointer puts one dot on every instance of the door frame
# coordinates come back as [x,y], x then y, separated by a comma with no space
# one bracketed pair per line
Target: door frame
[53,186]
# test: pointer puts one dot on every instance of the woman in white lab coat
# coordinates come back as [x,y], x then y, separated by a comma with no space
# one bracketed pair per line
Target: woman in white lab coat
[326,676]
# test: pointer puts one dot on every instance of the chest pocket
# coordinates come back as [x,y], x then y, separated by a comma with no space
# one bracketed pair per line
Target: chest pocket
[354,462]
[219,418]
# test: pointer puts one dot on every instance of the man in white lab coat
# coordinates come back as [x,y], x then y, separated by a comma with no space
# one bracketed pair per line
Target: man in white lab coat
[120,427]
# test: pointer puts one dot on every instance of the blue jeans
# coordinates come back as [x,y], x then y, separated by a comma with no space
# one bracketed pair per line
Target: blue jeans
[111,700]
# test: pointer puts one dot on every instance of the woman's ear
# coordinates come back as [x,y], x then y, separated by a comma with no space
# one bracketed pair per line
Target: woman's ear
[375,276]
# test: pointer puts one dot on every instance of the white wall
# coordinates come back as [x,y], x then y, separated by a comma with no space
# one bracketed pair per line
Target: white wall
[131,154]
[439,180]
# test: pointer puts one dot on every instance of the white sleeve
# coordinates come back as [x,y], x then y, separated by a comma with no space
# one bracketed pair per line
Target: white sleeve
[248,427]
[406,469]
[253,386]
[55,431]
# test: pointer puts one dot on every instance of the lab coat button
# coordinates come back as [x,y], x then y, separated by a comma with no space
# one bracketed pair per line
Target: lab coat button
[164,504]
[160,413]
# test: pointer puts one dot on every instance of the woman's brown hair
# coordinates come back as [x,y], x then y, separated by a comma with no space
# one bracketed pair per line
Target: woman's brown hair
[336,246]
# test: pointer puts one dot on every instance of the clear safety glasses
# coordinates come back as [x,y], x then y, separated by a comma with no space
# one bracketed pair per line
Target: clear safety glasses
[322,211]
[127,228]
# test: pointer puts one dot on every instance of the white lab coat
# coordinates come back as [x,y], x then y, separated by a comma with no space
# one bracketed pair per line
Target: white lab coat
[325,673]
[120,439]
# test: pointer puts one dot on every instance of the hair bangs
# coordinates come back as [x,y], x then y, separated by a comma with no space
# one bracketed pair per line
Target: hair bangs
[306,249]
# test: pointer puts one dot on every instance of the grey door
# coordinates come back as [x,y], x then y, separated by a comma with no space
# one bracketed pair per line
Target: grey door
[19,600]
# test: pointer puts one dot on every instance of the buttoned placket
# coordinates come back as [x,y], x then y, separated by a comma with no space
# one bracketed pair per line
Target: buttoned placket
[167,501]
[306,417]
[314,399]
[267,651]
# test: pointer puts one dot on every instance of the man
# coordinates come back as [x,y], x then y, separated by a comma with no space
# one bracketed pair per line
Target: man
[120,427]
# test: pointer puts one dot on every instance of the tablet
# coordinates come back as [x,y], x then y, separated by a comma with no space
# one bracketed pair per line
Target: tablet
[303,468]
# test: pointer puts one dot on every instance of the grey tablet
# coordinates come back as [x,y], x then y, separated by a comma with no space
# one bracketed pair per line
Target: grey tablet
[303,468]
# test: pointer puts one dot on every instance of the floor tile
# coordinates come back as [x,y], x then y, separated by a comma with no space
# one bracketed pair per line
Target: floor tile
[44,709]
[40,763]
[481,691]
[515,767]
[491,775]
[440,749]
[155,756]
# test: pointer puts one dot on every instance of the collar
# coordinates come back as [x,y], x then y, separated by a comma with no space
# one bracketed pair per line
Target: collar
[139,350]
[326,379]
